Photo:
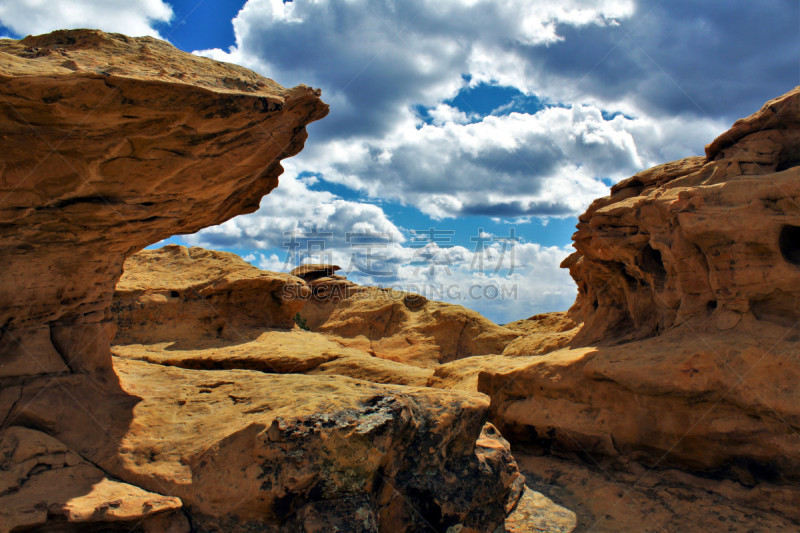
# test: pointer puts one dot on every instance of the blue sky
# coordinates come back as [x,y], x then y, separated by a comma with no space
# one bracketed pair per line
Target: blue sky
[470,116]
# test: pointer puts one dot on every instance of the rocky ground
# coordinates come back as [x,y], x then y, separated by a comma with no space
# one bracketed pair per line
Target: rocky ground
[181,394]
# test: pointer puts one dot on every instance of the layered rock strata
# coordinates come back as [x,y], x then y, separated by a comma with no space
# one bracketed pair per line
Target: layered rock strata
[689,291]
[400,326]
[112,143]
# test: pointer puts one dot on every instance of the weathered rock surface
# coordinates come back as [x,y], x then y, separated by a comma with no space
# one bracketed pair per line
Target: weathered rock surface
[275,352]
[203,309]
[46,486]
[246,450]
[180,294]
[542,334]
[111,143]
[717,236]
[569,495]
[688,289]
[401,326]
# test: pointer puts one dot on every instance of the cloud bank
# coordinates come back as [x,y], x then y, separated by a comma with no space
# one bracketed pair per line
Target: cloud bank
[132,17]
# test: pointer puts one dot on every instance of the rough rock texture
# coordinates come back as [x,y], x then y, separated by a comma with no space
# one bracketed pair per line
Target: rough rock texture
[46,486]
[462,374]
[245,450]
[573,496]
[275,352]
[111,143]
[697,260]
[401,326]
[178,293]
[313,417]
[312,272]
[542,334]
[717,236]
[380,483]
[204,309]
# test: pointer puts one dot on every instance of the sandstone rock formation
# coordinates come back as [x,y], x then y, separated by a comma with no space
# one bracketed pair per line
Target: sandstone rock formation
[542,334]
[245,450]
[44,482]
[344,413]
[400,326]
[204,309]
[714,236]
[110,144]
[217,413]
[178,293]
[311,272]
[689,291]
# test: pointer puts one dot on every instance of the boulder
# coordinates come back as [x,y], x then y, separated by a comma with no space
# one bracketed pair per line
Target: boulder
[312,272]
[246,450]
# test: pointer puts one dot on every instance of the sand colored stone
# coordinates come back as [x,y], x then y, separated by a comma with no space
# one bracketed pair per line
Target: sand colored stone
[111,143]
[401,326]
[689,294]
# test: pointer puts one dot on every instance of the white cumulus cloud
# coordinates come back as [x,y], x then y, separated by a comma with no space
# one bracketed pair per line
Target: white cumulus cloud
[131,17]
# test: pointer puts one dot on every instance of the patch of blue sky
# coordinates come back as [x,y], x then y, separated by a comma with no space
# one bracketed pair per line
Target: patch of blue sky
[486,99]
[7,32]
[201,24]
[550,231]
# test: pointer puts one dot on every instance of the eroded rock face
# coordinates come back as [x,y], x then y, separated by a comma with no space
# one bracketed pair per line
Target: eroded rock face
[111,143]
[177,293]
[247,451]
[715,237]
[297,445]
[542,334]
[689,287]
[44,484]
[401,326]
